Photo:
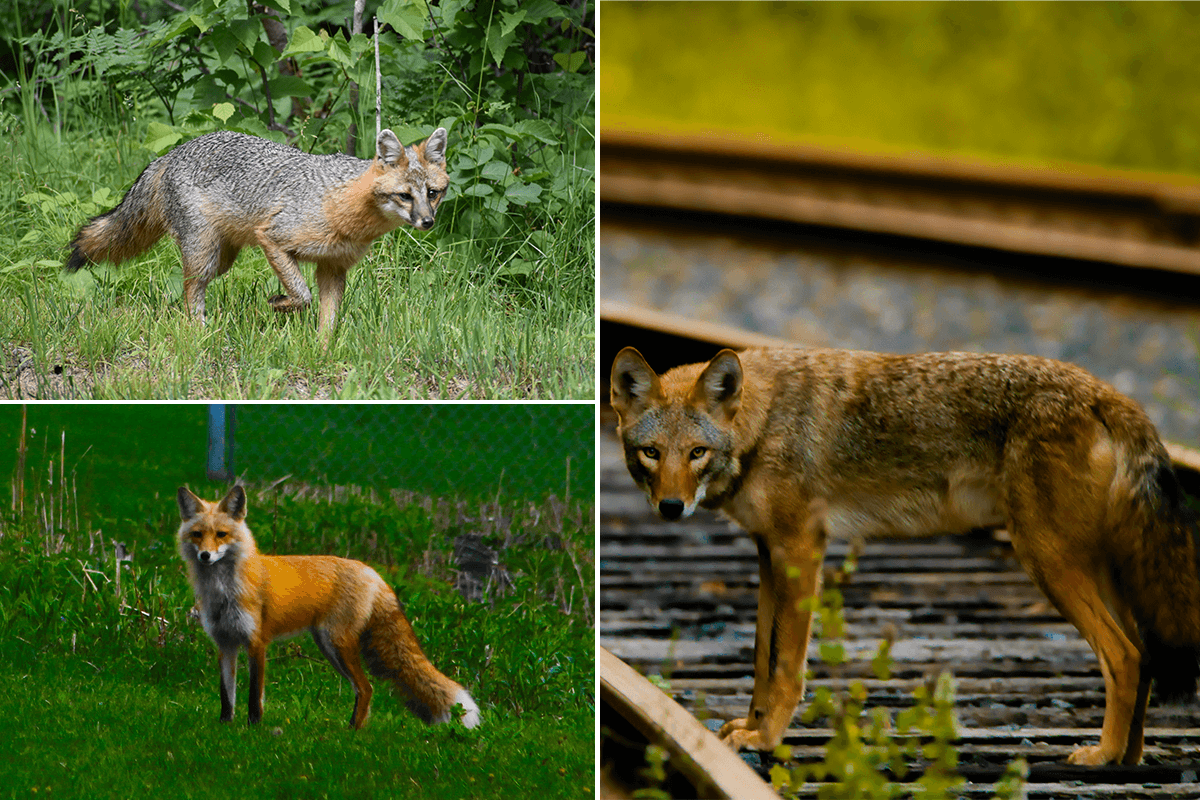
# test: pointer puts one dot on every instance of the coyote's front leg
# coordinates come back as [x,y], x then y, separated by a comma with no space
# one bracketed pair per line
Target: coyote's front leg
[783,627]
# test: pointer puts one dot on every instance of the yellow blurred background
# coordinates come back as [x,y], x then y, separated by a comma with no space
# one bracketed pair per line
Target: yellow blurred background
[1112,84]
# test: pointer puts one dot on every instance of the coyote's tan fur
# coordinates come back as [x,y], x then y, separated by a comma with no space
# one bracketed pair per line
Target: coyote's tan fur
[795,445]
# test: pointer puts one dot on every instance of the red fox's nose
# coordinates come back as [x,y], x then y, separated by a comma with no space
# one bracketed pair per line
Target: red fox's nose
[204,556]
[670,508]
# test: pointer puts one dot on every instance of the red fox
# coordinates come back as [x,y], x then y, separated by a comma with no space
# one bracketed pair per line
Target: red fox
[795,445]
[247,600]
[225,191]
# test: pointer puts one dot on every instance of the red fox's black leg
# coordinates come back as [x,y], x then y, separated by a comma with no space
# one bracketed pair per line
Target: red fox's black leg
[228,664]
[344,657]
[257,656]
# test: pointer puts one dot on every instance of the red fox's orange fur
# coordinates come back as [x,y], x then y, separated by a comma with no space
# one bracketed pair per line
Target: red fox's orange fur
[247,599]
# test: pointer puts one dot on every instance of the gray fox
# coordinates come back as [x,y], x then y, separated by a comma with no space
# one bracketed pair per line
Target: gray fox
[225,191]
[798,445]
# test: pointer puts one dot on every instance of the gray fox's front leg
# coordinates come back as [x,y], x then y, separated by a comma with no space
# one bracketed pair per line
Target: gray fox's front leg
[288,270]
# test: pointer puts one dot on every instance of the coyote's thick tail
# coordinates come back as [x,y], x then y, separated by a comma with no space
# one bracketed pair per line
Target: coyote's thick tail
[128,230]
[390,650]
[1162,581]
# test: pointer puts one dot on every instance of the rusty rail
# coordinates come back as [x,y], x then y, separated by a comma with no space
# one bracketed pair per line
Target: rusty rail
[1124,218]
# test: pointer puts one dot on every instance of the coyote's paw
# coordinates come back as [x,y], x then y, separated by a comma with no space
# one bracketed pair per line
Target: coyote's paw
[735,734]
[1092,756]
[283,304]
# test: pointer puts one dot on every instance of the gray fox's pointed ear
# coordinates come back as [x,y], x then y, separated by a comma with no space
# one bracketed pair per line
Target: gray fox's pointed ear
[434,147]
[388,148]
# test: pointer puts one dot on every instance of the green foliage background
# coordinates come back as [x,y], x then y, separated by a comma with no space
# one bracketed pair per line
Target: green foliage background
[497,301]
[1103,83]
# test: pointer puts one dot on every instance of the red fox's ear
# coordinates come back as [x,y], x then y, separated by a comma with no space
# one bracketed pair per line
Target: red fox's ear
[433,149]
[189,504]
[234,503]
[389,150]
[633,385]
[719,388]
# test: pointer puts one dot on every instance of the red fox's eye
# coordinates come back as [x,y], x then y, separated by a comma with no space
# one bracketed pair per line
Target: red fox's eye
[698,452]
[222,534]
[650,453]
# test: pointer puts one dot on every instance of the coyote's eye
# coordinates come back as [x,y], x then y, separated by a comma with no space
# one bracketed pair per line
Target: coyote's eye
[650,453]
[698,452]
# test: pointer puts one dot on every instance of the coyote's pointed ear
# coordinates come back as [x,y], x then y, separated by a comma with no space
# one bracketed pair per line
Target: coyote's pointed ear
[633,385]
[189,504]
[388,148]
[719,388]
[234,503]
[433,149]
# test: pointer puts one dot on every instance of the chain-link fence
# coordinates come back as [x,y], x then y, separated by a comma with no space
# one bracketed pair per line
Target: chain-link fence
[521,452]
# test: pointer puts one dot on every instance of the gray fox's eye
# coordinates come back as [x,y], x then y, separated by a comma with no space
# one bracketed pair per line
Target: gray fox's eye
[405,196]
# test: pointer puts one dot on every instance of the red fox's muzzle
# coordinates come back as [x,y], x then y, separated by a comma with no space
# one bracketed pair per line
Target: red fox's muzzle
[211,556]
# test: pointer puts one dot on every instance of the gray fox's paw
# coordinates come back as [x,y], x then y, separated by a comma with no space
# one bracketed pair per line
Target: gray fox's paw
[283,303]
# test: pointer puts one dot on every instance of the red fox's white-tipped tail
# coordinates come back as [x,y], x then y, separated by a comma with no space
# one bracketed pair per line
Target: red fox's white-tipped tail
[470,717]
[390,650]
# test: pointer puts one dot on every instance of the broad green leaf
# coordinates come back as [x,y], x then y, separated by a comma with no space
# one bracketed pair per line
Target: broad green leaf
[224,41]
[570,62]
[406,17]
[510,21]
[264,55]
[495,171]
[538,10]
[498,43]
[160,137]
[289,86]
[304,41]
[246,30]
[223,111]
[538,129]
[523,193]
[477,190]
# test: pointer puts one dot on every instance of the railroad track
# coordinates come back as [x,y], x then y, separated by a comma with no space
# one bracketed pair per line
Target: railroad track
[679,599]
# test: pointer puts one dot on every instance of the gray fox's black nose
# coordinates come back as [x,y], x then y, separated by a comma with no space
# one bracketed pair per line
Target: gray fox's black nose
[670,509]
[425,223]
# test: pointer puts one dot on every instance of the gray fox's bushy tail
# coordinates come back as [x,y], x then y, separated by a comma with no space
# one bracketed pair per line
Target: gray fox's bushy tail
[390,651]
[128,230]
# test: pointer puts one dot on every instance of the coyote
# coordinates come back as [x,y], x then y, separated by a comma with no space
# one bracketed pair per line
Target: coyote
[225,191]
[798,445]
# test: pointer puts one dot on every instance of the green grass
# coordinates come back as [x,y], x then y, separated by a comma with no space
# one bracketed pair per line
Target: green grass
[111,697]
[419,320]
[1037,82]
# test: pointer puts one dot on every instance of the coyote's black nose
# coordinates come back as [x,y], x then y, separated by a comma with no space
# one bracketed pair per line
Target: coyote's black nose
[670,509]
